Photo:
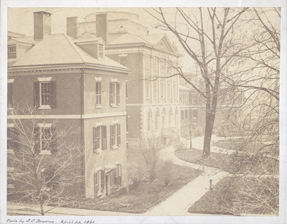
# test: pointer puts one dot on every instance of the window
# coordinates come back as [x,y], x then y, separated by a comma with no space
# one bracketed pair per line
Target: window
[10,96]
[170,117]
[123,61]
[194,114]
[186,114]
[174,90]
[168,90]
[101,51]
[147,63]
[155,89]
[156,118]
[99,182]
[45,138]
[227,99]
[12,136]
[162,89]
[194,98]
[163,118]
[175,117]
[100,138]
[127,89]
[98,93]
[115,135]
[155,64]
[149,123]
[114,93]
[12,51]
[45,94]
[180,98]
[118,180]
[147,85]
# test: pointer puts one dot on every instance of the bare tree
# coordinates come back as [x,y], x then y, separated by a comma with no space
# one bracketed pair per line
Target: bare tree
[45,164]
[207,36]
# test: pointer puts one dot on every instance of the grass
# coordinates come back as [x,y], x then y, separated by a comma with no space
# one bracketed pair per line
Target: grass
[141,197]
[235,196]
[235,163]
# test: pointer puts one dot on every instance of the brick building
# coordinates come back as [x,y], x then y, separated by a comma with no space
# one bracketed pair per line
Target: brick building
[76,85]
[152,102]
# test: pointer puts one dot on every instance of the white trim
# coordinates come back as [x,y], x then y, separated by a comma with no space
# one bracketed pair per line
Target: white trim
[122,55]
[44,79]
[115,122]
[10,169]
[10,80]
[99,123]
[44,125]
[72,116]
[10,125]
[10,186]
[114,80]
[99,168]
[45,152]
[10,151]
[44,107]
[98,79]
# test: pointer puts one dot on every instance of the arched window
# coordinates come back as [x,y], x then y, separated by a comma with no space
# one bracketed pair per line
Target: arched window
[156,118]
[175,117]
[163,117]
[170,117]
[149,117]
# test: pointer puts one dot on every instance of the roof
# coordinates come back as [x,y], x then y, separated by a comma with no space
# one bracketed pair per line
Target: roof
[152,39]
[24,39]
[61,49]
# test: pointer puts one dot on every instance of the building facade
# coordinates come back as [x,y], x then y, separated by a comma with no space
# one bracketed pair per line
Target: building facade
[74,84]
[152,91]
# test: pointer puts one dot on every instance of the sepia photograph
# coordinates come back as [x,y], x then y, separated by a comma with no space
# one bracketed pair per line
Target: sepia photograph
[142,111]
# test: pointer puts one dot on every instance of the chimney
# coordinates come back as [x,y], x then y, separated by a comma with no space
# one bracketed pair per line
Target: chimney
[42,24]
[72,27]
[102,26]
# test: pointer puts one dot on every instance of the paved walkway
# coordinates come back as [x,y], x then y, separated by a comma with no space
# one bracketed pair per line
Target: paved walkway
[176,205]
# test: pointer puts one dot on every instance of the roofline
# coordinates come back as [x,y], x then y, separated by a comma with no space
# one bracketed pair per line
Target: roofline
[23,42]
[140,44]
[68,66]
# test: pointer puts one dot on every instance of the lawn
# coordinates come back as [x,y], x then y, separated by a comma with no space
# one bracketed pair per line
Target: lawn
[235,163]
[141,196]
[235,196]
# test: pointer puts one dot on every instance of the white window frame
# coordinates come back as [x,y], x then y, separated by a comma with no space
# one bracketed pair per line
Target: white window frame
[114,83]
[14,46]
[100,138]
[193,117]
[44,126]
[44,80]
[116,144]
[98,94]
[10,126]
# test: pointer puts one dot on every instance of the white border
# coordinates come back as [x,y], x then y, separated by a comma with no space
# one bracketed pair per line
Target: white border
[147,3]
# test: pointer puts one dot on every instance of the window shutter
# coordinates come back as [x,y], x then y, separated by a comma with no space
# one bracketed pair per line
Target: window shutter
[96,184]
[53,95]
[36,139]
[118,93]
[119,134]
[102,180]
[111,93]
[54,140]
[10,96]
[94,139]
[100,93]
[36,94]
[104,137]
[15,138]
[111,136]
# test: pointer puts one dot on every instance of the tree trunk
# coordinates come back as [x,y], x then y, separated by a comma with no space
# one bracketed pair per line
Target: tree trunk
[209,123]
[41,205]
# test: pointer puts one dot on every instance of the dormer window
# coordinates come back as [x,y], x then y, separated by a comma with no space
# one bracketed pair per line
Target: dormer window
[101,51]
[12,51]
